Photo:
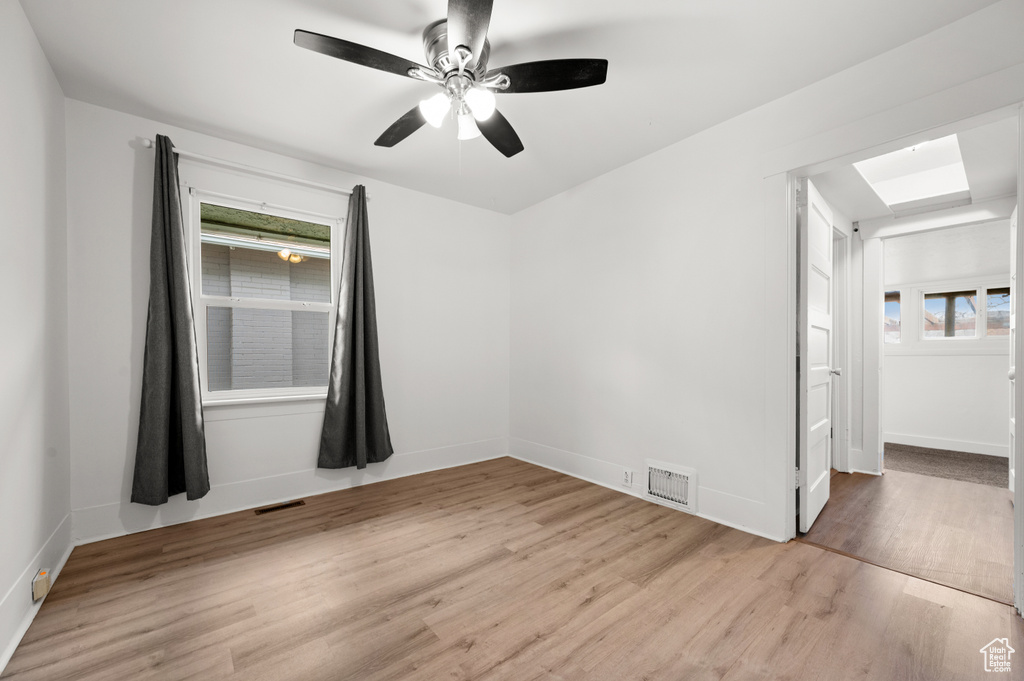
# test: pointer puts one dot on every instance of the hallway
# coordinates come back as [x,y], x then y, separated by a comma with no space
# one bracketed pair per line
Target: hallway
[958,534]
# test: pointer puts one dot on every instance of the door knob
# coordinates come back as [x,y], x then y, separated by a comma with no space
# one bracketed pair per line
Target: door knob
[1013,373]
[836,372]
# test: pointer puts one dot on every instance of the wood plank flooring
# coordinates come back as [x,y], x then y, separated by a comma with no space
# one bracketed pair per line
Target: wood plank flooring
[952,532]
[498,570]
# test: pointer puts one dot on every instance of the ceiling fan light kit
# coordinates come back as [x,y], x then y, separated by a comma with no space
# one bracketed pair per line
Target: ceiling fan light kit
[461,71]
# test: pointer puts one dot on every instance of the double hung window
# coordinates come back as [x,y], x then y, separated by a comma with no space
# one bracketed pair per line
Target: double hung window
[263,282]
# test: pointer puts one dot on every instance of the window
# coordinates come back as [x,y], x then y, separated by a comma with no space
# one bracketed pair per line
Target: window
[892,317]
[952,314]
[998,312]
[265,299]
[925,174]
[958,314]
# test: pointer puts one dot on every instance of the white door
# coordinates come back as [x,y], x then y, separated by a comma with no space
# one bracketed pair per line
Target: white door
[1013,333]
[814,345]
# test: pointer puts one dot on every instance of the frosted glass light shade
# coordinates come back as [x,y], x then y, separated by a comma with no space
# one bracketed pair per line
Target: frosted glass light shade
[481,103]
[435,109]
[467,127]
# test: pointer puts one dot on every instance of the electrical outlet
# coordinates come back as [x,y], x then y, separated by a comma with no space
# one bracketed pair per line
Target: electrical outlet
[40,585]
[627,477]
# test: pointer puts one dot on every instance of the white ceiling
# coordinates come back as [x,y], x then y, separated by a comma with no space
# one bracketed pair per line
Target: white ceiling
[229,68]
[989,154]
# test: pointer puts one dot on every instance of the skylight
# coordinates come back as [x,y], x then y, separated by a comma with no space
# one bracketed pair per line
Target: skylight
[926,171]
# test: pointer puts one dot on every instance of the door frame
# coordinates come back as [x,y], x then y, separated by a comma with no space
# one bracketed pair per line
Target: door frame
[841,349]
[774,184]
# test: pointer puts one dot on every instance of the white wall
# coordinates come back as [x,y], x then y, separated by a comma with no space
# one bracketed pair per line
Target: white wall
[946,394]
[966,252]
[651,307]
[441,273]
[35,528]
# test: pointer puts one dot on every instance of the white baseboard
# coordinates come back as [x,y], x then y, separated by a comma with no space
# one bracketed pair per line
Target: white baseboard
[714,505]
[17,610]
[114,520]
[953,445]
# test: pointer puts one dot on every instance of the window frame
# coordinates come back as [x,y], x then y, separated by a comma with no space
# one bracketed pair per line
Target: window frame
[980,313]
[201,301]
[902,304]
[987,292]
[913,341]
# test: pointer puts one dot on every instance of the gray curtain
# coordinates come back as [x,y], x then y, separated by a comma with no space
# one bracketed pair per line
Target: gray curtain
[170,457]
[355,428]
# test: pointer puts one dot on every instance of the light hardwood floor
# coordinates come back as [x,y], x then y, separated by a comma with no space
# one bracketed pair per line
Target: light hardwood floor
[498,570]
[948,531]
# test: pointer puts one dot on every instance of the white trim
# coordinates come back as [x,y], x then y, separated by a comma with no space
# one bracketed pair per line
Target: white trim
[265,399]
[1018,387]
[725,509]
[114,520]
[57,547]
[781,415]
[993,210]
[201,301]
[872,328]
[841,350]
[952,445]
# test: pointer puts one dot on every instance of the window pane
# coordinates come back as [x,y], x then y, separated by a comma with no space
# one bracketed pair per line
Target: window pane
[253,348]
[998,312]
[948,315]
[892,317]
[252,255]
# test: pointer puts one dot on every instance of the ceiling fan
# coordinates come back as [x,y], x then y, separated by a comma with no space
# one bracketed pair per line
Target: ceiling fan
[457,51]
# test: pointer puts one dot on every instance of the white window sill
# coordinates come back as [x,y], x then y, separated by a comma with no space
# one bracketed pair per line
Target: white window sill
[262,399]
[263,406]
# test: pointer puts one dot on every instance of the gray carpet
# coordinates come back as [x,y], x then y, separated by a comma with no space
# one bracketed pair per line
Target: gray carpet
[942,463]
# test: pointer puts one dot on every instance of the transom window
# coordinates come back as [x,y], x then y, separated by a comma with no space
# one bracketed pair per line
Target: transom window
[892,317]
[971,313]
[998,312]
[950,314]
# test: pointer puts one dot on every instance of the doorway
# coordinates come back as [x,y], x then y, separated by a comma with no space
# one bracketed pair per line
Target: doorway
[907,521]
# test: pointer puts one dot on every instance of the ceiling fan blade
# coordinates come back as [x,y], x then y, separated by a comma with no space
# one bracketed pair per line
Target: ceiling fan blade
[553,74]
[409,123]
[498,131]
[355,53]
[467,25]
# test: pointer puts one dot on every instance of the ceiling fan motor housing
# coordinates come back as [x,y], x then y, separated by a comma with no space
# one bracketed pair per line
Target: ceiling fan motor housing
[435,47]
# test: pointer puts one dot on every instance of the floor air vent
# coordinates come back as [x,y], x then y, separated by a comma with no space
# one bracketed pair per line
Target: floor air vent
[280,507]
[673,486]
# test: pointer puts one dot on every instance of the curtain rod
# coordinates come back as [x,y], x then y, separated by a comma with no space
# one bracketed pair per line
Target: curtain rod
[148,143]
